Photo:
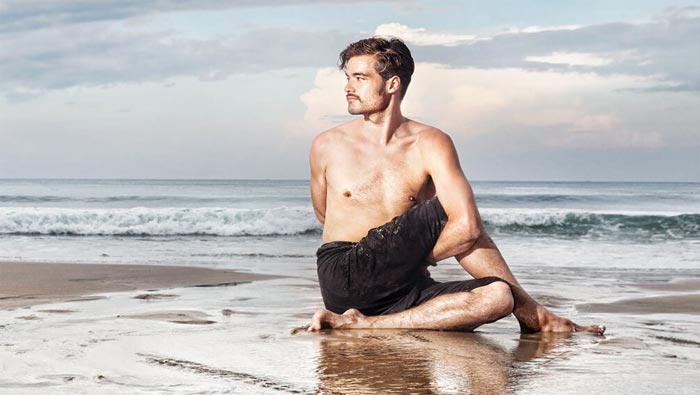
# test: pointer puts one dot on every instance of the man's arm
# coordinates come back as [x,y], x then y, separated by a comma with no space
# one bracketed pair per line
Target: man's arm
[464,224]
[317,181]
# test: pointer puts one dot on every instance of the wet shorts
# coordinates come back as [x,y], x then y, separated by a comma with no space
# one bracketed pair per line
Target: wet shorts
[386,271]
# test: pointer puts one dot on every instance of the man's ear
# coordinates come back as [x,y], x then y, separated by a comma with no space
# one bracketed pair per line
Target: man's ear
[393,84]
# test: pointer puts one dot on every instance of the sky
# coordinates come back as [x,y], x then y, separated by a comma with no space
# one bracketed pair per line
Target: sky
[528,90]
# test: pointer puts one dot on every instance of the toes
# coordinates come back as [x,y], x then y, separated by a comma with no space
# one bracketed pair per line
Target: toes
[598,329]
[316,321]
[324,319]
[315,325]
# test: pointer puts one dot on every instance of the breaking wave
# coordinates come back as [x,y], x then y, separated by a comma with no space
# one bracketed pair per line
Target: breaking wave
[157,221]
[301,220]
[575,224]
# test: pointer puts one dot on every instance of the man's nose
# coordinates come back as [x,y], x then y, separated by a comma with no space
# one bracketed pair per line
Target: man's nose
[348,87]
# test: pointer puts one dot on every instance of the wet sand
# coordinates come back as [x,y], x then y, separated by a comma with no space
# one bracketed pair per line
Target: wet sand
[683,285]
[25,284]
[221,339]
[683,299]
[670,304]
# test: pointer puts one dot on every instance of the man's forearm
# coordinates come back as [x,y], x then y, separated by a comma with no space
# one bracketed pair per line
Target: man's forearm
[485,260]
[455,238]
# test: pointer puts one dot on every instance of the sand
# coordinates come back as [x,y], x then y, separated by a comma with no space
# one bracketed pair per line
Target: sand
[670,304]
[25,284]
[684,299]
[146,329]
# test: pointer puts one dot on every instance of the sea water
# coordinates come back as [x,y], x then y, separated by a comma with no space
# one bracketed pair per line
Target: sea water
[250,224]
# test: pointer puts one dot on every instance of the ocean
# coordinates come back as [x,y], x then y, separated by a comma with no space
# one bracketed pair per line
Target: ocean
[248,224]
[622,254]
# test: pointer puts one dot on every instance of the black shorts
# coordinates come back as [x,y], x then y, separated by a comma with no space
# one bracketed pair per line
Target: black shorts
[386,271]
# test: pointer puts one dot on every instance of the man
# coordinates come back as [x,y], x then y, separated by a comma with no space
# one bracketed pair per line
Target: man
[374,182]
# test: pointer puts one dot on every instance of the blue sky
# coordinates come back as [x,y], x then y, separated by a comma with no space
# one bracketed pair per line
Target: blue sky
[566,90]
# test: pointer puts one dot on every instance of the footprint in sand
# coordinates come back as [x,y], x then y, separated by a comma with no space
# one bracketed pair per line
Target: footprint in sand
[177,317]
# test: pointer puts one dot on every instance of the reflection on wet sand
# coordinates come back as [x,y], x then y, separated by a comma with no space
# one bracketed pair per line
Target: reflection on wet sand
[423,362]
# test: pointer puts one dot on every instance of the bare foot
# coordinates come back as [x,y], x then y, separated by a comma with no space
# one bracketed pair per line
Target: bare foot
[550,322]
[324,319]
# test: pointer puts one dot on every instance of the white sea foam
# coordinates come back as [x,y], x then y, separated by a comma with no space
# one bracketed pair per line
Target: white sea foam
[544,216]
[157,221]
[299,220]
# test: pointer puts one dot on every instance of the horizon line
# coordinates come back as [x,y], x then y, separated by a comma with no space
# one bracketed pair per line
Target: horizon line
[306,179]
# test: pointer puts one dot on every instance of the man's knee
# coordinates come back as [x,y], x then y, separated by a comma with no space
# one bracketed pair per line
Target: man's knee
[499,295]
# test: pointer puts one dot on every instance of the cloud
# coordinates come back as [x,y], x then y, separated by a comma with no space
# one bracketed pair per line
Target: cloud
[325,102]
[83,44]
[535,108]
[17,15]
[539,29]
[595,123]
[571,59]
[664,48]
[186,129]
[93,54]
[682,12]
[420,36]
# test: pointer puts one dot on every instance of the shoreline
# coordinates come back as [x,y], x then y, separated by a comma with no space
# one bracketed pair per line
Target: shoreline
[25,284]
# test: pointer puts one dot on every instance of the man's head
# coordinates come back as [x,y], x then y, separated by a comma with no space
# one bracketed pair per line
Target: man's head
[387,60]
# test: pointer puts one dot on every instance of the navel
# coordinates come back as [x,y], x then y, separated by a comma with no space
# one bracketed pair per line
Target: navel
[347,194]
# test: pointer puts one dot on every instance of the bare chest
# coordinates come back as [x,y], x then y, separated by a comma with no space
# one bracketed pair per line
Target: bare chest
[389,181]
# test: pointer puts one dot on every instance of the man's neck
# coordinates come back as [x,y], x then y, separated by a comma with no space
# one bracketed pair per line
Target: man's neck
[382,126]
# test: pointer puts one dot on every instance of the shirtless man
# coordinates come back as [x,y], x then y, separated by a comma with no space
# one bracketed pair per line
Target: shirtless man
[393,199]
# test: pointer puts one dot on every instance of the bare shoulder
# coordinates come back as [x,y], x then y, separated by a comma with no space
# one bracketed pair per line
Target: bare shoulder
[328,142]
[333,135]
[429,138]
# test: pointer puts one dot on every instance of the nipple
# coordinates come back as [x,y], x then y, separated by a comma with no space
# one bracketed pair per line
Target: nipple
[347,194]
[411,199]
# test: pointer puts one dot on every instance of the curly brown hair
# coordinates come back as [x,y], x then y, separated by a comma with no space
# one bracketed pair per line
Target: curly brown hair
[392,55]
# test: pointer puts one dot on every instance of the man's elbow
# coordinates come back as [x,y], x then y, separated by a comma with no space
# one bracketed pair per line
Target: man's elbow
[471,231]
[320,216]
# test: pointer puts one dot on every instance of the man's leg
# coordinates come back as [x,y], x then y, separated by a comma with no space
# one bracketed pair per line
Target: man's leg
[462,311]
[484,259]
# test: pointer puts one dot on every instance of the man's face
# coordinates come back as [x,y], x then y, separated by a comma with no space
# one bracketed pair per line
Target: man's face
[365,90]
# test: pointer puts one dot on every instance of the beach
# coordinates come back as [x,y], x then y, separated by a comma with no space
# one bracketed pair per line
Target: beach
[149,307]
[232,333]
[24,284]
